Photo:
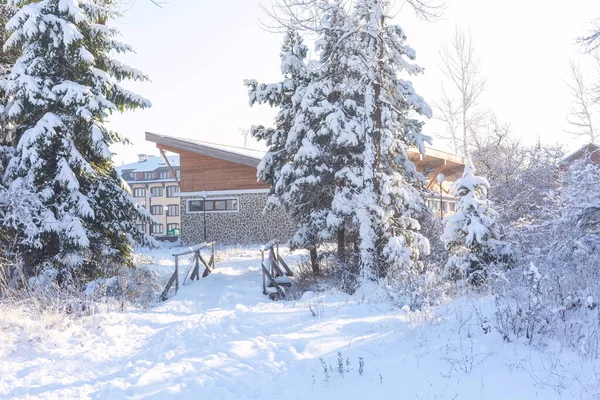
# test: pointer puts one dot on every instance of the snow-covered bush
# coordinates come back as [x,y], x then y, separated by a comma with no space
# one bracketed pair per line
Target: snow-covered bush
[473,234]
[559,296]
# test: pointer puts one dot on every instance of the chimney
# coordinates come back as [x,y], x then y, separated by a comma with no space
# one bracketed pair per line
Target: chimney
[142,157]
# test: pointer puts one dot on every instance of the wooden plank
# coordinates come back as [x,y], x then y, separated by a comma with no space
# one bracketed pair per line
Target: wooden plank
[163,296]
[276,267]
[192,249]
[268,246]
[207,269]
[196,272]
[187,273]
[272,281]
[170,167]
[200,172]
[288,271]
[434,178]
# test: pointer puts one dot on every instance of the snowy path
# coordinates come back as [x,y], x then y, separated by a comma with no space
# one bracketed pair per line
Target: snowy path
[220,338]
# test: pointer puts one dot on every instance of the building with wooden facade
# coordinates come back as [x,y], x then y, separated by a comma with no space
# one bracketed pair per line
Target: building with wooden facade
[218,185]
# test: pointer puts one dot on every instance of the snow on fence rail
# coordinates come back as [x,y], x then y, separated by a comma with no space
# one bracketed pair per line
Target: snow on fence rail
[277,273]
[195,261]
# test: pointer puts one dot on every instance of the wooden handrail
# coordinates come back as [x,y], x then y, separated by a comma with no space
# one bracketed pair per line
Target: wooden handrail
[193,249]
[273,269]
[272,280]
[197,259]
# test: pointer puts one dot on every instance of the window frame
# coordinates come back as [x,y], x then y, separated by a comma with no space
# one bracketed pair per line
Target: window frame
[237,209]
[169,208]
[176,188]
[152,232]
[162,209]
[135,189]
[149,173]
[157,188]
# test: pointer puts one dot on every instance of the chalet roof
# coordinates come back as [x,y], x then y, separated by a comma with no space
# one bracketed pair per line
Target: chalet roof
[585,149]
[436,160]
[240,155]
[152,163]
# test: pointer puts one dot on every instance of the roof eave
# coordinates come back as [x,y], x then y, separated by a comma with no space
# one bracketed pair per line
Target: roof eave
[182,144]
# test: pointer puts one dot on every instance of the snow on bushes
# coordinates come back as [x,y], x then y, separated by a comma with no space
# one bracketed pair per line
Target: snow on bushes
[473,234]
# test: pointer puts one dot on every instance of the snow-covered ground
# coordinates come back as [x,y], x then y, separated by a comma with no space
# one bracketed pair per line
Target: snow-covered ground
[220,338]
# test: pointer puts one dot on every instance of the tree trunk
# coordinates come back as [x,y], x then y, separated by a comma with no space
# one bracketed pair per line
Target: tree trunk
[314,262]
[341,244]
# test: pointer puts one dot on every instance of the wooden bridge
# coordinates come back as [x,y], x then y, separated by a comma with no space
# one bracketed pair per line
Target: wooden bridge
[194,266]
[275,273]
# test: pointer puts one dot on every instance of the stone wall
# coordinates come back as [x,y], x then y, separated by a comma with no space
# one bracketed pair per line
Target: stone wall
[248,225]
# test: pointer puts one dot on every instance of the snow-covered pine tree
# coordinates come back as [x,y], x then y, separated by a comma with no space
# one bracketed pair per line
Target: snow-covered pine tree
[7,58]
[299,164]
[347,145]
[76,216]
[278,167]
[473,234]
[380,184]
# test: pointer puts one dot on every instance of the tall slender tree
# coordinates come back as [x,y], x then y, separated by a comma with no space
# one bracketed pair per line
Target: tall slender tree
[381,182]
[582,114]
[57,98]
[458,108]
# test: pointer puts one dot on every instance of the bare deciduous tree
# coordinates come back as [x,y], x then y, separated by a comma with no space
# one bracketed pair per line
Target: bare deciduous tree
[245,134]
[591,42]
[581,115]
[459,110]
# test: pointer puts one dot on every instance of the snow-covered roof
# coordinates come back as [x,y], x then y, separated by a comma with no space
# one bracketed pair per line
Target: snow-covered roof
[239,155]
[152,163]
[585,149]
[252,157]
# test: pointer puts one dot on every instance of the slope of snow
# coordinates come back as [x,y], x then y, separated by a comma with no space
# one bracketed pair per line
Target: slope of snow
[220,338]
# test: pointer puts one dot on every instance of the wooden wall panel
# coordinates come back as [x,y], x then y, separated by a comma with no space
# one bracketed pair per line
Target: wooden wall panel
[200,172]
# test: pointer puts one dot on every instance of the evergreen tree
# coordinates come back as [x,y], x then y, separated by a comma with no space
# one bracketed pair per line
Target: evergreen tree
[9,56]
[76,216]
[380,183]
[347,166]
[299,163]
[473,234]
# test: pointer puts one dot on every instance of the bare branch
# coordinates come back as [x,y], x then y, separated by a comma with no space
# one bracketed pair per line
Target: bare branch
[461,67]
[581,113]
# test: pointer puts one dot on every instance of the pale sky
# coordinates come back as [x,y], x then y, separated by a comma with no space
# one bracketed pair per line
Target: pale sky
[198,52]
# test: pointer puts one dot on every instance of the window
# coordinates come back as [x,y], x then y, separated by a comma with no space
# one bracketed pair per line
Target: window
[172,210]
[141,227]
[164,174]
[171,190]
[213,205]
[156,191]
[156,210]
[452,206]
[173,229]
[178,174]
[156,228]
[139,192]
[148,175]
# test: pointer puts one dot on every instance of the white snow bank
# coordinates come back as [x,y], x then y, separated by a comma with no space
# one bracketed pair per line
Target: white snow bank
[220,338]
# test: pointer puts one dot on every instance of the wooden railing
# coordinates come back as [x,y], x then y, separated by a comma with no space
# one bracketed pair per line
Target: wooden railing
[276,272]
[195,260]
